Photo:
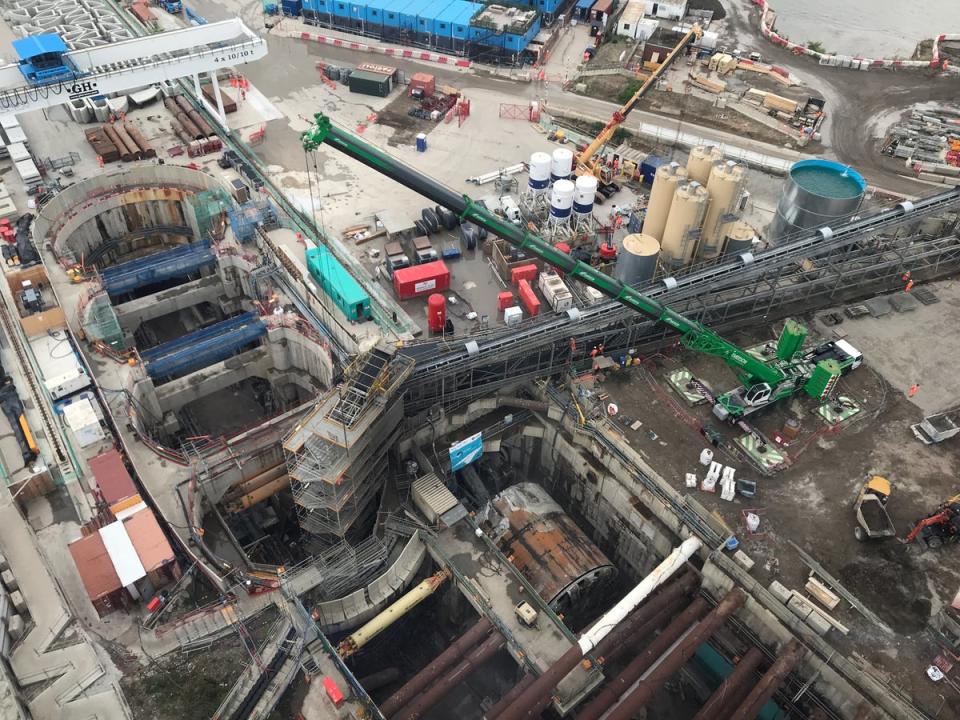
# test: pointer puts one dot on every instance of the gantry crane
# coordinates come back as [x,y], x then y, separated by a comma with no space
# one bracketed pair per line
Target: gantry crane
[763,382]
[586,163]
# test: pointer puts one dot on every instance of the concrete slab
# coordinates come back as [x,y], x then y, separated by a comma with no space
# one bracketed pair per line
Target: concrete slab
[904,302]
[878,306]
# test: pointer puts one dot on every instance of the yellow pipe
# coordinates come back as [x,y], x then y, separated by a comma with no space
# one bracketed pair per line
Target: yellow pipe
[245,487]
[393,613]
[27,435]
[258,495]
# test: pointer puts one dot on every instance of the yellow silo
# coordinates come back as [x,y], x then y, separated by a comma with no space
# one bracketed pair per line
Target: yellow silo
[680,236]
[738,238]
[725,187]
[701,161]
[661,195]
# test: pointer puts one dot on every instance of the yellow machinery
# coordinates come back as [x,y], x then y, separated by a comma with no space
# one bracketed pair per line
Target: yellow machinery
[873,521]
[586,164]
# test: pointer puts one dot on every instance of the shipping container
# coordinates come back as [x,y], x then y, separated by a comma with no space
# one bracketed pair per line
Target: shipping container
[528,298]
[421,279]
[523,272]
[556,292]
[339,285]
[368,83]
[504,300]
[229,104]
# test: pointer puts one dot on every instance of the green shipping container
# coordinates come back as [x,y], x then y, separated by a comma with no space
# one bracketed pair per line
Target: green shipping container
[368,83]
[791,340]
[824,377]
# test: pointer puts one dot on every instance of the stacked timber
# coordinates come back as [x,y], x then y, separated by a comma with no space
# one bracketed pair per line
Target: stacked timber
[229,104]
[102,145]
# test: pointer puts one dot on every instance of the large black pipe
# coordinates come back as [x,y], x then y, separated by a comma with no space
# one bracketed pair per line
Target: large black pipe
[774,677]
[511,697]
[734,688]
[418,682]
[638,698]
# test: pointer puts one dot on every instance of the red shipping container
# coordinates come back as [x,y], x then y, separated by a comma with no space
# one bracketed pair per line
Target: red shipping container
[528,298]
[504,300]
[425,82]
[333,692]
[420,280]
[154,604]
[523,272]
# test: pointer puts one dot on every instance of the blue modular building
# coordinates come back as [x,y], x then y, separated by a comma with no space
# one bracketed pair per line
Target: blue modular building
[458,26]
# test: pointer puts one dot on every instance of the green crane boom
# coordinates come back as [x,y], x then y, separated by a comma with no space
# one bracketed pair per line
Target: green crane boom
[779,378]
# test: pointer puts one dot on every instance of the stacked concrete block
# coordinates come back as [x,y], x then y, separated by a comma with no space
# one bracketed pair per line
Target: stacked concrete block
[83,24]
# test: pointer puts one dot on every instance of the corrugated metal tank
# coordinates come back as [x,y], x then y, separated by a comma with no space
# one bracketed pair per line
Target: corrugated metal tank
[738,238]
[725,187]
[547,546]
[687,212]
[701,161]
[661,196]
[817,193]
[637,262]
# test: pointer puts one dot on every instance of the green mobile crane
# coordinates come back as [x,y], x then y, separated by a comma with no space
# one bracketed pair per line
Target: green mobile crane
[764,380]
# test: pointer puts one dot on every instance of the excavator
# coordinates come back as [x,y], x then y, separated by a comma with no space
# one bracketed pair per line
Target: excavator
[783,374]
[586,162]
[940,527]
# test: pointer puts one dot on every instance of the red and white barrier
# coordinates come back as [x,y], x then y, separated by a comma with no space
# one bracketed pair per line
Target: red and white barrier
[405,53]
[846,61]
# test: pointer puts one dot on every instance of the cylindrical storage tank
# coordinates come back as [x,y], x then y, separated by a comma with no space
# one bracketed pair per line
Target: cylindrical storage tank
[586,191]
[436,312]
[726,188]
[561,199]
[661,195]
[701,161]
[562,164]
[817,193]
[738,238]
[539,171]
[682,233]
[637,262]
[548,548]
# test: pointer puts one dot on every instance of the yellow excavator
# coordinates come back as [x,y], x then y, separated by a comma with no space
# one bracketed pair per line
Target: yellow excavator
[586,163]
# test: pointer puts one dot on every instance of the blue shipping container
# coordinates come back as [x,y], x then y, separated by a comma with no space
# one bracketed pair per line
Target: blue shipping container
[648,168]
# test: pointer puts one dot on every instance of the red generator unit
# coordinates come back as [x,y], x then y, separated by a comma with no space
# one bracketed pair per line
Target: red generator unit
[436,312]
[523,272]
[424,84]
[504,300]
[528,298]
[419,280]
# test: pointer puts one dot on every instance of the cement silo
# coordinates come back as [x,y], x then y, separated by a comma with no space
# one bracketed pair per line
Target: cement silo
[726,188]
[661,196]
[701,161]
[817,193]
[738,238]
[681,235]
[561,165]
[637,262]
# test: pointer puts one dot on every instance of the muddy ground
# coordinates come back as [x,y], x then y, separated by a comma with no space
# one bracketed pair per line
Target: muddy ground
[811,502]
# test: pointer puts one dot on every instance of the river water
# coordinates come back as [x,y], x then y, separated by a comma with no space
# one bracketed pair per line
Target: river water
[872,28]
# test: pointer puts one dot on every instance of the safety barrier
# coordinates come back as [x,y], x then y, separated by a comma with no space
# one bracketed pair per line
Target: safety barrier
[853,62]
[404,53]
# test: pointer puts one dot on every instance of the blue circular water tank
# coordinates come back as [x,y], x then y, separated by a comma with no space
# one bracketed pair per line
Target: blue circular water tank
[817,193]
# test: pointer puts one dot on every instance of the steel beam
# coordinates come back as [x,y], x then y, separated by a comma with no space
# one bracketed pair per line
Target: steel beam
[792,655]
[454,652]
[733,690]
[630,674]
[678,656]
[477,657]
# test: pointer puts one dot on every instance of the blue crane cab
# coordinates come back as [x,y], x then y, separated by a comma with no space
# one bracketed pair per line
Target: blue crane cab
[42,61]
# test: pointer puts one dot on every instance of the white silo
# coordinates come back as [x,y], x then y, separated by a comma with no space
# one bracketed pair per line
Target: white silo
[539,172]
[561,200]
[661,195]
[681,235]
[725,187]
[586,191]
[562,165]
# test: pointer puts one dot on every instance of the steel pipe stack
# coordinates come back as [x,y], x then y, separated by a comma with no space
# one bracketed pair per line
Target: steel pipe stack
[508,699]
[477,657]
[197,119]
[128,141]
[774,677]
[678,657]
[181,117]
[540,691]
[121,146]
[733,690]
[134,132]
[444,660]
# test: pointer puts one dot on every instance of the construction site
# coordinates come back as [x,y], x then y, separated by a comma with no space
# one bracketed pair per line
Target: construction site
[346,380]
